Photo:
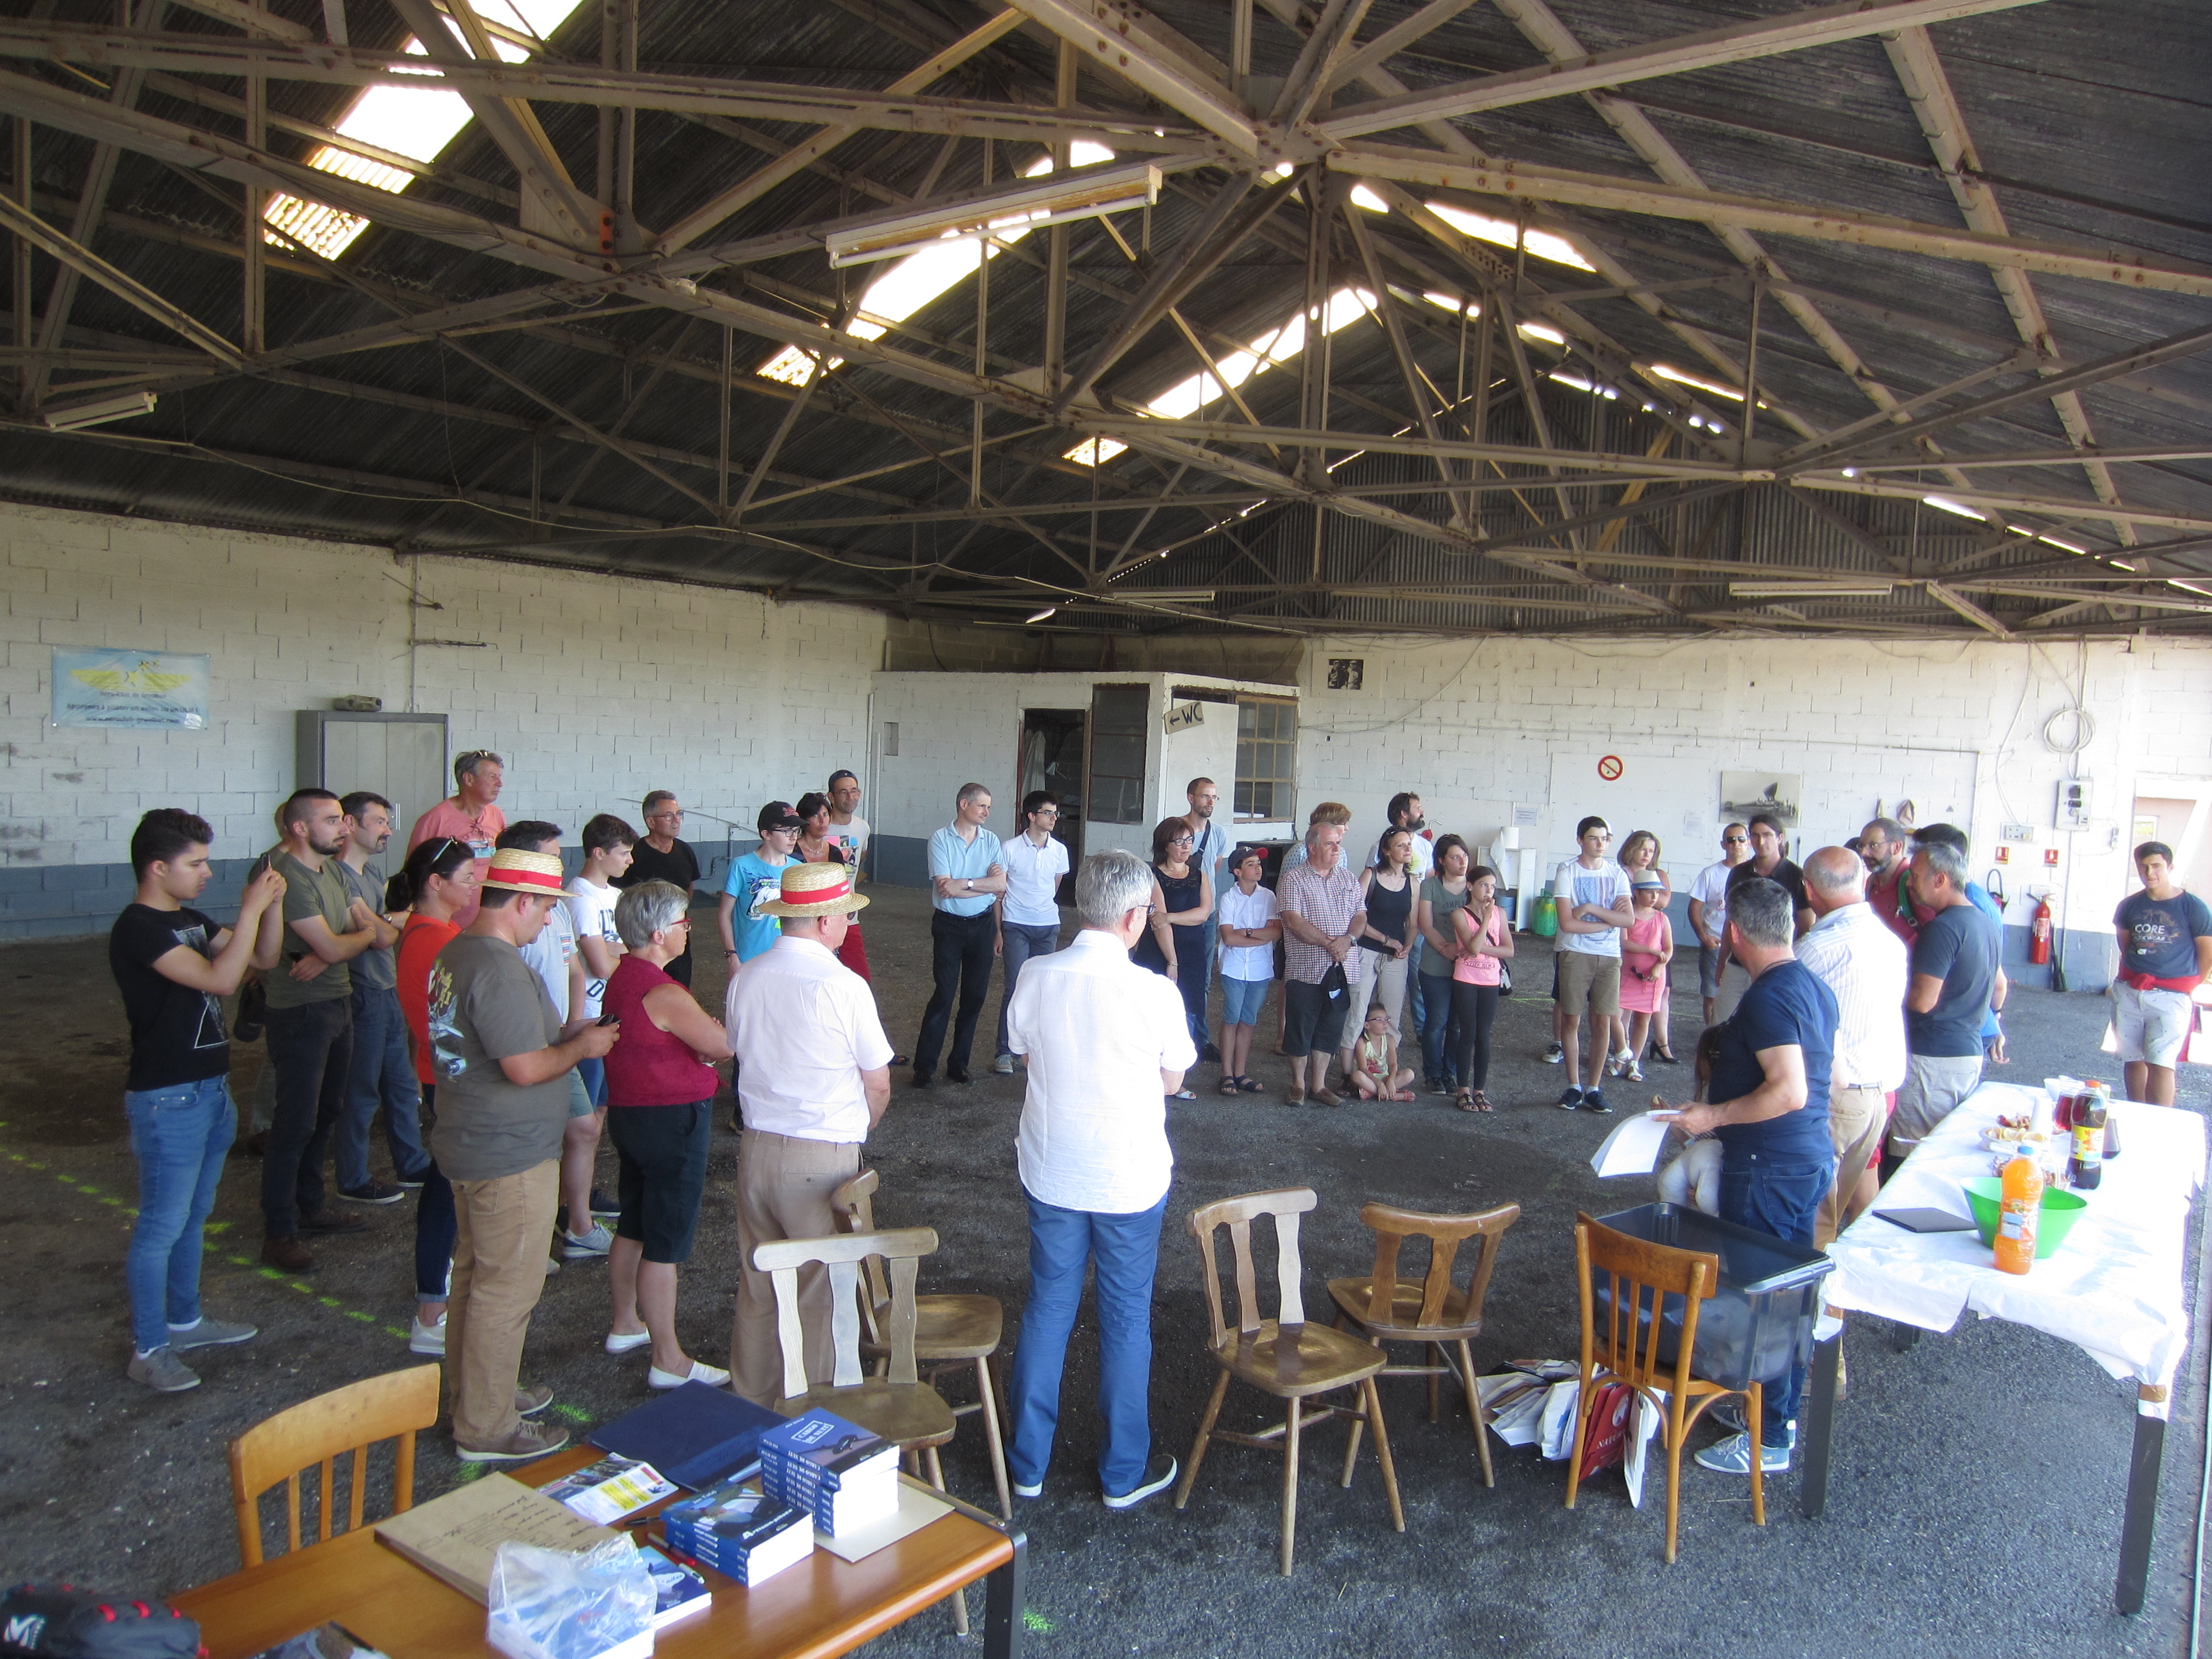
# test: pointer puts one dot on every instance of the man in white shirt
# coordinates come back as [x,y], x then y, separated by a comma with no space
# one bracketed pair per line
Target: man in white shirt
[847,827]
[1855,955]
[1029,910]
[1594,909]
[813,1070]
[608,850]
[1708,914]
[1107,1042]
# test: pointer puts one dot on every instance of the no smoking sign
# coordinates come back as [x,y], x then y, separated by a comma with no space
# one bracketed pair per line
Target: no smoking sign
[1608,767]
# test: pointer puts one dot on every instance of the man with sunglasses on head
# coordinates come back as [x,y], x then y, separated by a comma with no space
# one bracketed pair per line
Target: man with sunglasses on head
[470,815]
[663,856]
[1708,914]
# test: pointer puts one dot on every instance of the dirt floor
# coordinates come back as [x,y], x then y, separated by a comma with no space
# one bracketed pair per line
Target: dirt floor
[1975,1504]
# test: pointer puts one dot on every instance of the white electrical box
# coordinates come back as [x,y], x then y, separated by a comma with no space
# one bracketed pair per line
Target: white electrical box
[2019,834]
[2074,804]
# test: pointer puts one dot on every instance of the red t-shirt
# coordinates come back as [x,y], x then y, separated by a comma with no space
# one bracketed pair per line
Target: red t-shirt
[420,941]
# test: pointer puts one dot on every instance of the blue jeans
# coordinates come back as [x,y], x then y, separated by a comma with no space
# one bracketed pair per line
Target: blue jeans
[1126,1248]
[381,1074]
[1242,1000]
[1417,996]
[179,1136]
[1024,940]
[1780,1197]
[594,1073]
[1436,1022]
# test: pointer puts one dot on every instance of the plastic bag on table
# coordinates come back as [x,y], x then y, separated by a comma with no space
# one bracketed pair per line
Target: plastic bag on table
[550,1604]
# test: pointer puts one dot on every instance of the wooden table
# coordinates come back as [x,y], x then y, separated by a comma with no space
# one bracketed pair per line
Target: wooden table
[2114,1289]
[823,1606]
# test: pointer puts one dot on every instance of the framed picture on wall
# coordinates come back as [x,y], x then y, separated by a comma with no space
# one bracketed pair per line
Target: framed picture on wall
[1776,793]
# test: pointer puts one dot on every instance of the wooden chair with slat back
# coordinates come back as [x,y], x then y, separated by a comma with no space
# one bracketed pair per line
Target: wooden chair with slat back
[896,1404]
[1284,1356]
[952,1331]
[320,1432]
[1386,1309]
[1622,1346]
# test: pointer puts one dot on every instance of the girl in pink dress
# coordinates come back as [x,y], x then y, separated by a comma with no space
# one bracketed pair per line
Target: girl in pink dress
[1646,950]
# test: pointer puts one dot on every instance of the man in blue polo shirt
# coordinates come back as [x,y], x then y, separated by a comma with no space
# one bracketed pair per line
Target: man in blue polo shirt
[967,875]
[1770,1110]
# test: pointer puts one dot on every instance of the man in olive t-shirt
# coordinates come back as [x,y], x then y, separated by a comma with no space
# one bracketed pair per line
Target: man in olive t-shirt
[310,1025]
[503,1104]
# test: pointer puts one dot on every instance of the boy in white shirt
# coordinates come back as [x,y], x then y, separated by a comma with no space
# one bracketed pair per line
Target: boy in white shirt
[1029,910]
[608,849]
[1248,925]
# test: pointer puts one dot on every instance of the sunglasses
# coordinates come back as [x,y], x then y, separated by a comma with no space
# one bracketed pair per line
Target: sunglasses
[1731,841]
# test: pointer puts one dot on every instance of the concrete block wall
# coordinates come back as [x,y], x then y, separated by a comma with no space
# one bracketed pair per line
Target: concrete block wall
[1478,726]
[593,689]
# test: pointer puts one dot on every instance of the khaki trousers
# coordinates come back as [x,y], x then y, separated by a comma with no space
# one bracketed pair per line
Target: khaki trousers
[783,1192]
[1856,1119]
[499,1272]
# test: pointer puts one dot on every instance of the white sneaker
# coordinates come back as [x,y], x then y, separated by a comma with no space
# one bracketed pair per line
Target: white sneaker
[552,1266]
[427,1338]
[713,1376]
[1004,1065]
[598,1242]
[621,1342]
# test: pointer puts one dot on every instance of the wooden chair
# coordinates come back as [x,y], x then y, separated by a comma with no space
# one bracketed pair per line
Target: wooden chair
[1638,1276]
[950,1331]
[1284,1356]
[898,1404]
[318,1431]
[1385,1309]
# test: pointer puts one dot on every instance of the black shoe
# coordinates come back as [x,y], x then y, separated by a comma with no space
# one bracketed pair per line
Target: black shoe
[1160,1472]
[1570,1099]
[602,1205]
[1665,1057]
[902,1059]
[957,1073]
[1209,1056]
[1594,1101]
[923,1080]
[334,1221]
[376,1192]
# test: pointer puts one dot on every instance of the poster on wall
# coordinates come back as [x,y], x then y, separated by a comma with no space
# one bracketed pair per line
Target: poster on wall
[1776,793]
[130,689]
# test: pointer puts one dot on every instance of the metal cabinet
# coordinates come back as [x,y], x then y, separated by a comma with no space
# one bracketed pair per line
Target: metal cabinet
[401,757]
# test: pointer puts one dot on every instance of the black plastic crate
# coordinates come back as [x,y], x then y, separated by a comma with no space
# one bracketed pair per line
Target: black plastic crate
[1759,1322]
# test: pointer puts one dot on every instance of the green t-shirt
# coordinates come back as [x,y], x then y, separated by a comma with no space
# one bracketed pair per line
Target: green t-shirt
[485,1005]
[1442,902]
[307,893]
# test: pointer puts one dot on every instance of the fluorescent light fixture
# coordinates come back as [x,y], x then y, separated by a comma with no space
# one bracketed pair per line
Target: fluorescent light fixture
[1944,503]
[1732,394]
[1038,617]
[1503,233]
[1454,304]
[1083,193]
[1581,384]
[1541,331]
[2064,546]
[2191,587]
[2121,565]
[410,121]
[1096,452]
[919,278]
[74,417]
[1870,587]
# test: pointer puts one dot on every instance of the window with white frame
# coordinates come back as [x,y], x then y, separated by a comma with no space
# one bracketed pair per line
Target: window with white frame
[1267,755]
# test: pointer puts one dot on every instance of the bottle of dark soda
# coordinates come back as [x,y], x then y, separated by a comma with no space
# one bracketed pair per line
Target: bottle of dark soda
[2085,1168]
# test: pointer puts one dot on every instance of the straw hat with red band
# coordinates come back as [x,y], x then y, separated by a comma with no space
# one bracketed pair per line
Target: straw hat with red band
[526,873]
[814,889]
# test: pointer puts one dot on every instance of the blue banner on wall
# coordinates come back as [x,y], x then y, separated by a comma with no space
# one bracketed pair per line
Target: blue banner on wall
[131,687]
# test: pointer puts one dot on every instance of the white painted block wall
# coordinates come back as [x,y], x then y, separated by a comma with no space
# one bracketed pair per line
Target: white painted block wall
[593,689]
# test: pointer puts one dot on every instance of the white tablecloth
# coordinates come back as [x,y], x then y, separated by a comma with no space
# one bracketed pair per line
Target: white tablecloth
[2114,1288]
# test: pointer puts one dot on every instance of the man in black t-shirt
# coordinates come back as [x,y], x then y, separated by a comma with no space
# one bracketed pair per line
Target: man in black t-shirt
[1766,861]
[173,966]
[661,857]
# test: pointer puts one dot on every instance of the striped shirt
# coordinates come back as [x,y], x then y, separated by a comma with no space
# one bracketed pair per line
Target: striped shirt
[1864,964]
[1328,903]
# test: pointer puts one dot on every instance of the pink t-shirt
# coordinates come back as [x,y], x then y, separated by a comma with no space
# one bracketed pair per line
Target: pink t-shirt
[480,831]
[1473,970]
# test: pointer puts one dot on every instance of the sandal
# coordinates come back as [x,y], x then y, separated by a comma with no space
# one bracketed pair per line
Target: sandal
[1250,1087]
[1481,1102]
[1465,1102]
[1183,1094]
[1402,1095]
[1228,1086]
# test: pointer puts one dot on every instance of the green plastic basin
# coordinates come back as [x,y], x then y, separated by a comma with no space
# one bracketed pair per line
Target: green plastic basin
[2061,1210]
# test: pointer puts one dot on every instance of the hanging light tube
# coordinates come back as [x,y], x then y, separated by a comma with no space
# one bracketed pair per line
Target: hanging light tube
[1055,198]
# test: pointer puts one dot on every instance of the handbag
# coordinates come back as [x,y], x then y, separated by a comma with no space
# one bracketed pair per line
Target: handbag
[1506,979]
[1605,1441]
[252,1016]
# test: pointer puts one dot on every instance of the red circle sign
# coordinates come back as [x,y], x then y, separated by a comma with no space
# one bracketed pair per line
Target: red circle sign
[1609,767]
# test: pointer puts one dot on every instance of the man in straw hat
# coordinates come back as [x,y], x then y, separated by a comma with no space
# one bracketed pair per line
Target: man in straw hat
[503,1072]
[813,1079]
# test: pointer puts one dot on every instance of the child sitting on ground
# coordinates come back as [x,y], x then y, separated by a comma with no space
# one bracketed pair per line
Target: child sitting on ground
[1376,1072]
[1694,1178]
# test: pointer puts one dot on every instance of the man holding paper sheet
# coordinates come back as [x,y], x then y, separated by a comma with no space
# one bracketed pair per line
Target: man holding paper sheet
[1770,1112]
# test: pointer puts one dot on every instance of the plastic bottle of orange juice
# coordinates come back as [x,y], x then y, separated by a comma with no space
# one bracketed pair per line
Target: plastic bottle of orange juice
[2019,1210]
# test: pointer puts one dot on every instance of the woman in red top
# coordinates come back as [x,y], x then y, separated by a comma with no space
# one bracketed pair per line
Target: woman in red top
[815,847]
[437,884]
[660,1095]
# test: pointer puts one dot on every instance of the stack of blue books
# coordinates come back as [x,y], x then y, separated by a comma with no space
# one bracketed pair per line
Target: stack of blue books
[845,1476]
[740,1532]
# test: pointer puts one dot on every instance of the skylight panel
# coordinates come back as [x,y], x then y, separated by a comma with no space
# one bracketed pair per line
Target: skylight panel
[1503,233]
[906,287]
[415,122]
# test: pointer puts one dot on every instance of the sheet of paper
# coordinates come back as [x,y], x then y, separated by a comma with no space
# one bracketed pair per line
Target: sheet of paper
[1634,1146]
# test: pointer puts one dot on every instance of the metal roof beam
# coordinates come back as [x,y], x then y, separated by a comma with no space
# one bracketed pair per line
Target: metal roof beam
[27,224]
[1733,44]
[1129,41]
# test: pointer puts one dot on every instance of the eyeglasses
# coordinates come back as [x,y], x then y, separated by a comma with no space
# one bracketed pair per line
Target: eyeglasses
[671,813]
[1180,840]
[1046,812]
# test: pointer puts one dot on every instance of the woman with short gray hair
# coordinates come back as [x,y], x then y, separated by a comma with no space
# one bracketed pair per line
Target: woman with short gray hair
[660,1096]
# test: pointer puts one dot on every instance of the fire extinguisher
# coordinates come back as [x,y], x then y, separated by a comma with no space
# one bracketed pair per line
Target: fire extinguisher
[2039,935]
